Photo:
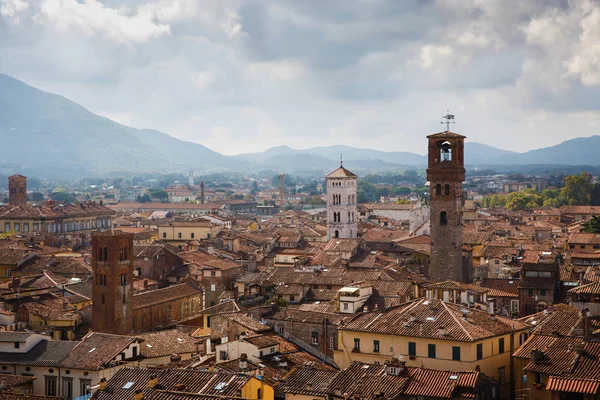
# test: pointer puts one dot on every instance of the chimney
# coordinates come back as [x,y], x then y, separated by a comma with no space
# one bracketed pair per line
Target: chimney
[243,361]
[180,387]
[579,349]
[139,395]
[211,367]
[413,317]
[441,331]
[102,384]
[153,381]
[145,284]
[175,357]
[201,192]
[536,355]
[585,313]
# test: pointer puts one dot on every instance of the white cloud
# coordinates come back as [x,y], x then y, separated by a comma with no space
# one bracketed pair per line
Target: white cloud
[433,56]
[91,17]
[12,8]
[570,38]
[281,70]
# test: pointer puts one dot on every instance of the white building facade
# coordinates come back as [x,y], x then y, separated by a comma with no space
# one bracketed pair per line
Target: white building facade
[341,204]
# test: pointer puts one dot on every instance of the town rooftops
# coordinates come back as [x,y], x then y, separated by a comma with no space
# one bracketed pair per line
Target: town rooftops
[560,318]
[166,343]
[16,337]
[569,357]
[46,353]
[96,349]
[54,210]
[585,238]
[172,384]
[424,318]
[145,299]
[590,288]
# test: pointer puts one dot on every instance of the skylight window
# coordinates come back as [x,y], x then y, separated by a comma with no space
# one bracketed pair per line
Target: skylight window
[128,385]
[180,340]
[453,377]
[430,318]
[93,349]
[221,386]
[149,345]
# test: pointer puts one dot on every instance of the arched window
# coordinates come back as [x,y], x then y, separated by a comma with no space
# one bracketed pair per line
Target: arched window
[443,218]
[446,152]
[447,189]
[438,189]
[337,234]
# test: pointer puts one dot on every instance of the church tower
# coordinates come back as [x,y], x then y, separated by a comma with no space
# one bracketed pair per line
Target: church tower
[341,204]
[17,190]
[112,282]
[445,173]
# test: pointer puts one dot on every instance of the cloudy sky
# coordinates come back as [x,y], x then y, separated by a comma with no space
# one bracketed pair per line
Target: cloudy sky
[240,76]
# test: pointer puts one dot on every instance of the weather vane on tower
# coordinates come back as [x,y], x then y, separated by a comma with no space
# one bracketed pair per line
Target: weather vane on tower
[449,119]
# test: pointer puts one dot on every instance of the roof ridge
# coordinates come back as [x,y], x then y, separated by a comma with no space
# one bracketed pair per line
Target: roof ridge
[457,321]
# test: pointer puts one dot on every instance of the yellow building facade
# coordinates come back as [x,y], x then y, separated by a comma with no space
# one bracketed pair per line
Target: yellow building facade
[436,338]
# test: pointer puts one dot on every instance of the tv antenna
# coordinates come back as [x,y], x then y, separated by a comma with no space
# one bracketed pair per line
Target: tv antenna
[449,119]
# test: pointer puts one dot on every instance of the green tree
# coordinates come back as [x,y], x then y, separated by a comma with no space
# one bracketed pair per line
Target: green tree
[595,195]
[35,196]
[316,201]
[143,199]
[159,194]
[592,225]
[577,189]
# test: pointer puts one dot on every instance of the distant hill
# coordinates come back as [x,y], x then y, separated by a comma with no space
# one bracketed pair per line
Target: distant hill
[479,153]
[40,130]
[50,135]
[577,151]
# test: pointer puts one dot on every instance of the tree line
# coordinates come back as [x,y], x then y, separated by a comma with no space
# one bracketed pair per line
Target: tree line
[578,190]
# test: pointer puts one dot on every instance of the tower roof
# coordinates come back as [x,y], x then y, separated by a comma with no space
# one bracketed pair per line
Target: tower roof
[341,172]
[446,134]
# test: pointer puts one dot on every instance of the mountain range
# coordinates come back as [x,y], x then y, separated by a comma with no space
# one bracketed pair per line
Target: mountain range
[46,132]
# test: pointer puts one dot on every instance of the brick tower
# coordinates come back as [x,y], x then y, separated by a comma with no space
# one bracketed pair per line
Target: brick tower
[17,190]
[112,287]
[445,173]
[341,204]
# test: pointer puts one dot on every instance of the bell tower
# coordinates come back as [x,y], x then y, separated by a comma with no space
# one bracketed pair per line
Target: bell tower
[341,204]
[17,190]
[112,282]
[445,173]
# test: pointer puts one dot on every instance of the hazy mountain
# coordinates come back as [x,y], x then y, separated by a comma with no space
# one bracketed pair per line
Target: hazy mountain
[45,132]
[475,153]
[41,130]
[479,153]
[578,151]
[333,153]
[188,155]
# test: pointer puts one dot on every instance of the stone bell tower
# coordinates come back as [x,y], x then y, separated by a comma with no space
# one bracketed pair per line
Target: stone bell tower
[17,190]
[445,173]
[341,204]
[112,282]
